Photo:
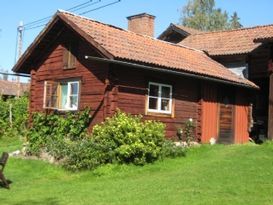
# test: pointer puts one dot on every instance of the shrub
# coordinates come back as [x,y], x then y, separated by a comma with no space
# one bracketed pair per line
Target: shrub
[169,149]
[54,132]
[121,139]
[189,131]
[17,109]
[132,140]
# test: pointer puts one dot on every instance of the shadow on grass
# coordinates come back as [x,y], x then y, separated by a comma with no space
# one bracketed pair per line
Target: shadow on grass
[2,185]
[49,201]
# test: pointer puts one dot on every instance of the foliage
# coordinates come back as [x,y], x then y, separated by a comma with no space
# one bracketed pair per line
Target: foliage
[202,15]
[53,133]
[170,150]
[189,131]
[130,139]
[235,21]
[14,116]
[122,138]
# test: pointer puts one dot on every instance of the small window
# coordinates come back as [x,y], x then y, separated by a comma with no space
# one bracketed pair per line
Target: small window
[160,98]
[61,95]
[69,59]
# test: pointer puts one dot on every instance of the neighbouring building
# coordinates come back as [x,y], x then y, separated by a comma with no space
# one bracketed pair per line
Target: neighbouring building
[246,52]
[12,89]
[76,62]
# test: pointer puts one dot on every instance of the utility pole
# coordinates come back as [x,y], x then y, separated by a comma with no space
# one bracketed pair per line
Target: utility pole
[20,30]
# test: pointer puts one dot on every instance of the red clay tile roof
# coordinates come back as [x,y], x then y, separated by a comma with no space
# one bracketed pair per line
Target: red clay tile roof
[124,45]
[179,29]
[188,29]
[10,88]
[229,42]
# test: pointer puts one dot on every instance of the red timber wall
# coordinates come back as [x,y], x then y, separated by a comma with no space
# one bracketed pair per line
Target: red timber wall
[242,117]
[132,85]
[92,77]
[209,114]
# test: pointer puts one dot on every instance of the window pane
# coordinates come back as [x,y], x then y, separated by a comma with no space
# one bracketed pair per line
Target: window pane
[153,90]
[54,100]
[73,102]
[74,88]
[153,103]
[165,105]
[166,92]
[64,103]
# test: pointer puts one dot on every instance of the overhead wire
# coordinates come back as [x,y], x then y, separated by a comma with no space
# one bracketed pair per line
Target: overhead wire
[41,22]
[100,7]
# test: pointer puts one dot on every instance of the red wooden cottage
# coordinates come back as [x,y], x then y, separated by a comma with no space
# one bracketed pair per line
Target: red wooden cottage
[76,62]
[247,52]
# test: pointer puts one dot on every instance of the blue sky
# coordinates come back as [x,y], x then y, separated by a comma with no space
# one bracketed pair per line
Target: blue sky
[251,12]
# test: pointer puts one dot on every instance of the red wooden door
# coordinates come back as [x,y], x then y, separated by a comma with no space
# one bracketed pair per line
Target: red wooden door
[226,119]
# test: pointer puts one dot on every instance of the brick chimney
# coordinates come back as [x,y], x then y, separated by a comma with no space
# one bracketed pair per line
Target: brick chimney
[141,24]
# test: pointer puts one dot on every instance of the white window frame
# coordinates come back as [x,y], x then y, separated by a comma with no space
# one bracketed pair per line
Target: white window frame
[160,98]
[68,97]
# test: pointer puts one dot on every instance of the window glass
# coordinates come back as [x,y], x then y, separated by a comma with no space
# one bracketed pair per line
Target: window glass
[166,92]
[160,98]
[165,104]
[61,95]
[74,88]
[73,102]
[153,103]
[64,88]
[154,90]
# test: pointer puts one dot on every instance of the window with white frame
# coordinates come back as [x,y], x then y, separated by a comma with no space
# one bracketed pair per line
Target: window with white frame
[62,95]
[160,98]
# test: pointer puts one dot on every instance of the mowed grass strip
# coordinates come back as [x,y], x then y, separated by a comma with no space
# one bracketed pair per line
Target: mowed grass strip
[235,174]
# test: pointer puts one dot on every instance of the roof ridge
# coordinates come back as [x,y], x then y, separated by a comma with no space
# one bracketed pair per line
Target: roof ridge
[178,25]
[87,18]
[131,32]
[231,30]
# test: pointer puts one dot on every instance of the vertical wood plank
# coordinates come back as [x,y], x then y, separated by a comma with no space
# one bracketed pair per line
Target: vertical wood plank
[270,108]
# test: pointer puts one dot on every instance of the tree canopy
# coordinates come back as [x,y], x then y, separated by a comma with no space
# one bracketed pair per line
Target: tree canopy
[202,15]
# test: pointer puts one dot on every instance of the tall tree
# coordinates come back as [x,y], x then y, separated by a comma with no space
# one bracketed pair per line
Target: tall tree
[235,21]
[202,15]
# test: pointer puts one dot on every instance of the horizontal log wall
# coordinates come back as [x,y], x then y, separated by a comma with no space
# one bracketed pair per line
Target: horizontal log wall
[132,85]
[92,76]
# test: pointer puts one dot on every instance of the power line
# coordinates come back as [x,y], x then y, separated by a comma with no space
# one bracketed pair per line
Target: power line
[112,3]
[41,22]
[75,8]
[72,9]
[33,27]
[37,21]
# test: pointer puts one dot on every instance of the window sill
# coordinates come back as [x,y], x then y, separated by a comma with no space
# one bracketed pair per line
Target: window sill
[158,114]
[69,68]
[62,110]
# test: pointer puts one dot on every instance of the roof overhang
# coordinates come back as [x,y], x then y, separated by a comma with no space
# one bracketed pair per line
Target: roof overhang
[173,30]
[170,71]
[47,37]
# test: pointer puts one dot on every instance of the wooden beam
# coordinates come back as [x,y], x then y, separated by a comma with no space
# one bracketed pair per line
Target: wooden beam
[270,108]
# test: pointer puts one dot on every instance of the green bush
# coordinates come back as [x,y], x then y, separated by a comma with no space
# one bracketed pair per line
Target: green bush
[169,149]
[121,139]
[17,108]
[53,133]
[132,140]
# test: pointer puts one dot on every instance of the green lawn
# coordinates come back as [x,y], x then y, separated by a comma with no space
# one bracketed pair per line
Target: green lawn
[238,174]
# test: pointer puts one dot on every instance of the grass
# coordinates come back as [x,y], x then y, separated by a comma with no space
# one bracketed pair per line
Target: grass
[237,174]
